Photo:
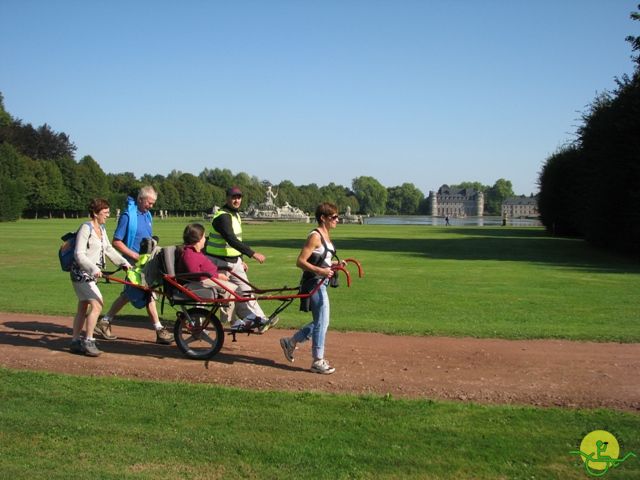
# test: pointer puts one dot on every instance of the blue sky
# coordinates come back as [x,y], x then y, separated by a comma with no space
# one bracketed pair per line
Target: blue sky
[427,92]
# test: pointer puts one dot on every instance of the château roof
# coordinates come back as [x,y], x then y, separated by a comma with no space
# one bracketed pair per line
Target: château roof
[464,192]
[521,200]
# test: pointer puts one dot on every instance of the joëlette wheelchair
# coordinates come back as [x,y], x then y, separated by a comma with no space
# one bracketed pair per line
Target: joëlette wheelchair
[198,331]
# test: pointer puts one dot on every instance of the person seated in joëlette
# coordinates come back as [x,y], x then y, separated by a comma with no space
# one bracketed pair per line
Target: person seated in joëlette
[193,260]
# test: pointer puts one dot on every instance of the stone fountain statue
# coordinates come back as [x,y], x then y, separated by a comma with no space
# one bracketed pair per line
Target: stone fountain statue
[348,217]
[269,211]
[270,197]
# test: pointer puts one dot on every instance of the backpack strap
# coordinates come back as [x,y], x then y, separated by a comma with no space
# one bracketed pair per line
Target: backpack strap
[325,246]
[88,224]
[132,223]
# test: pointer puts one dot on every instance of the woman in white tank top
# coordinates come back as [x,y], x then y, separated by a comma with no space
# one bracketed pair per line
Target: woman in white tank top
[315,259]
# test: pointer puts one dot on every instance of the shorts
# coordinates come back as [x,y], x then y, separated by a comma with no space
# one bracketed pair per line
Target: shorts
[137,296]
[87,291]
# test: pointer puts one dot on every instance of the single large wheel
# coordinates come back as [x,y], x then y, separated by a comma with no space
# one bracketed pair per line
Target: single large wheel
[198,333]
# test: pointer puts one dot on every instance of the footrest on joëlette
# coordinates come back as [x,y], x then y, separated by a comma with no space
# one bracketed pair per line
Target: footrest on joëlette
[242,328]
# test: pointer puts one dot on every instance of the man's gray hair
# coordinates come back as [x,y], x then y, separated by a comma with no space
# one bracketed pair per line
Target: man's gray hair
[147,192]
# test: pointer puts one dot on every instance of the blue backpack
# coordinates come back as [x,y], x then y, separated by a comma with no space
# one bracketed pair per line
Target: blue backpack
[68,248]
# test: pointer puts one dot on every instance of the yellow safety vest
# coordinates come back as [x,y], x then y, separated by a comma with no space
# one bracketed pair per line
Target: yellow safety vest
[134,275]
[218,246]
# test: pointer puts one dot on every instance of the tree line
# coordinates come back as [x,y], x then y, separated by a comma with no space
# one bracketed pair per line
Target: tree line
[590,188]
[39,176]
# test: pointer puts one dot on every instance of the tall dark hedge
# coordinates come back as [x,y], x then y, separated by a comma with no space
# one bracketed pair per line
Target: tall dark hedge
[592,188]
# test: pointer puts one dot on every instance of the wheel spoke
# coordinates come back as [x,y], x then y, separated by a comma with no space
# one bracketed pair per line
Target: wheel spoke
[199,334]
[205,336]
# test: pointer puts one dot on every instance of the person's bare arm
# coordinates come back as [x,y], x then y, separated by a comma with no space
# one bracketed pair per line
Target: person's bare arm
[126,251]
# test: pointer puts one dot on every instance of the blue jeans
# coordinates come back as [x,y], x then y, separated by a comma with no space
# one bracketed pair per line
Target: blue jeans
[317,329]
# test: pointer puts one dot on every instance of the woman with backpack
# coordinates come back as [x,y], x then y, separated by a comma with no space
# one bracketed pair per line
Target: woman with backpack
[316,259]
[92,245]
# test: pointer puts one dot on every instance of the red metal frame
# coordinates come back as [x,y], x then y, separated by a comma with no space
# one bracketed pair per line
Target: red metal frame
[234,296]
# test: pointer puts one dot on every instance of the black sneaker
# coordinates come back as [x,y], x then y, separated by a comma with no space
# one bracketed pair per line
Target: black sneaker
[287,348]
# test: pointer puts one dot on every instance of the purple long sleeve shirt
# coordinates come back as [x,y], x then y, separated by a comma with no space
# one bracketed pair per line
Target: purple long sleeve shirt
[193,261]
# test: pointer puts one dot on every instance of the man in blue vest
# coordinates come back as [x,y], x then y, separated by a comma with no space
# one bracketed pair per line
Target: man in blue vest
[225,248]
[134,225]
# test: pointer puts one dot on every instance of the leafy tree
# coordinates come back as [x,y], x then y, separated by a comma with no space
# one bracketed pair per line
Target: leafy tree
[610,146]
[403,200]
[288,192]
[23,137]
[559,189]
[154,180]
[95,183]
[311,197]
[352,202]
[371,195]
[12,164]
[45,188]
[394,201]
[496,195]
[590,189]
[477,186]
[425,206]
[168,197]
[217,195]
[253,190]
[193,195]
[53,145]
[123,183]
[41,143]
[338,195]
[633,40]
[76,198]
[222,178]
[13,198]
[5,118]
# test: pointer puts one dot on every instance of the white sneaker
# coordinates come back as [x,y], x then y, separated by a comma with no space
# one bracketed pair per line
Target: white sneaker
[322,366]
[267,323]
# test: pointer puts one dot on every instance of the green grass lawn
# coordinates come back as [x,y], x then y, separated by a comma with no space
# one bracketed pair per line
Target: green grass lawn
[419,280]
[54,426]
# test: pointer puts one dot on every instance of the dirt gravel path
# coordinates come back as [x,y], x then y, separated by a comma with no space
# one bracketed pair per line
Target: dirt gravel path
[528,372]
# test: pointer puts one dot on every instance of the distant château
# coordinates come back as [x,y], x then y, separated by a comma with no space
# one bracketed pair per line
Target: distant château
[521,206]
[448,202]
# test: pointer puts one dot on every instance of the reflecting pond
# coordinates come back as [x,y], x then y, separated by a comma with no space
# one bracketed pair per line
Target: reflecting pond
[453,221]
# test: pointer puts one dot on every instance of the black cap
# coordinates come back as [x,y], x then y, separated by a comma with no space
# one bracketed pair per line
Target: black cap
[231,191]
